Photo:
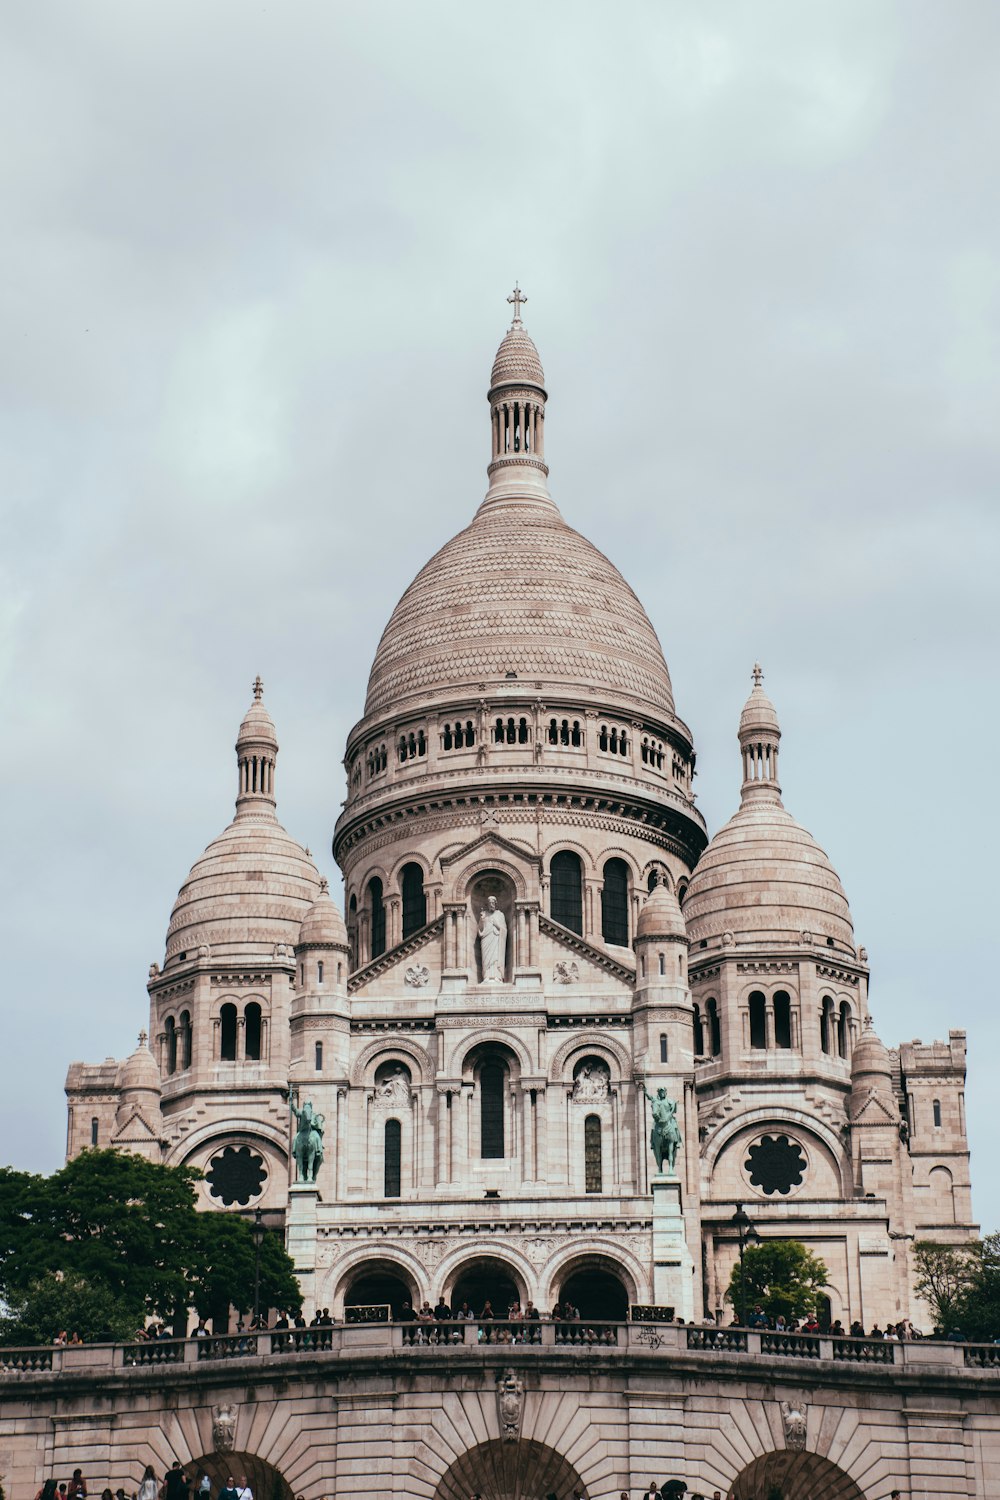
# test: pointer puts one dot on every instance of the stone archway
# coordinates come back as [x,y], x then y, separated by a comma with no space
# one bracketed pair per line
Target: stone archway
[265,1481]
[509,1471]
[794,1476]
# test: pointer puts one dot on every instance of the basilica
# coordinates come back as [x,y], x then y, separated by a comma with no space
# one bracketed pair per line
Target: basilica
[537,936]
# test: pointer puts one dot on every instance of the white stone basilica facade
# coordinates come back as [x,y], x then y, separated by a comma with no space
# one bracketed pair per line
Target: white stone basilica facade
[537,930]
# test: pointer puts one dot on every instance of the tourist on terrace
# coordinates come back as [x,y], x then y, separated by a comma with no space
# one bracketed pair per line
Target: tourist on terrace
[47,1491]
[77,1486]
[148,1489]
[229,1490]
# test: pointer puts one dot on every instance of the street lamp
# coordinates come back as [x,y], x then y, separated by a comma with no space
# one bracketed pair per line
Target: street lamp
[258,1240]
[747,1236]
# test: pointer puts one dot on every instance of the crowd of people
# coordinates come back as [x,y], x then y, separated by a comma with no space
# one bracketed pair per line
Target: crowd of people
[517,1325]
[176,1484]
[760,1321]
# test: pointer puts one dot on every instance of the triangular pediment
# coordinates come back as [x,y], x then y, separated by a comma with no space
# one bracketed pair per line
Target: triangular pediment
[412,965]
[592,964]
[875,1111]
[491,841]
[135,1130]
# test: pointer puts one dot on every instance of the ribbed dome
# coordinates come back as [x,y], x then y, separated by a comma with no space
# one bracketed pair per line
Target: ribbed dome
[139,1073]
[249,890]
[764,876]
[759,714]
[257,726]
[519,591]
[870,1059]
[517,361]
[323,926]
[660,916]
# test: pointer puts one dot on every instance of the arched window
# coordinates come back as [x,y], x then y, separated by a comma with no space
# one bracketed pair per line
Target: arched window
[602,738]
[566,894]
[782,1019]
[251,1032]
[414,899]
[491,1102]
[94,1130]
[170,1028]
[663,1047]
[827,1025]
[758,1020]
[614,903]
[393,1157]
[376,907]
[227,1033]
[184,1030]
[352,930]
[714,1029]
[843,1028]
[592,1153]
[698,1039]
[319,1057]
[937,1114]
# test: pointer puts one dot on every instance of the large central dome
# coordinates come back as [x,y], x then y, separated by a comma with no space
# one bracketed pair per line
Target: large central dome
[520,592]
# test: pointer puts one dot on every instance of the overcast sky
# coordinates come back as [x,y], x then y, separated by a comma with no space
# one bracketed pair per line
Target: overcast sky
[253,271]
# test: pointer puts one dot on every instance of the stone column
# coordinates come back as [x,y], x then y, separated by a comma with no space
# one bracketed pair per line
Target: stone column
[443,1143]
[541,1136]
[394,920]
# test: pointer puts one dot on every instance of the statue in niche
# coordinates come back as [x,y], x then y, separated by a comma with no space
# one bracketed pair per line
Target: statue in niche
[590,1086]
[393,1090]
[493,941]
[665,1136]
[307,1147]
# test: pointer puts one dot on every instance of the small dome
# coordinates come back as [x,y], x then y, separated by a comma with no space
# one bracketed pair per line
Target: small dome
[139,1073]
[323,925]
[661,916]
[517,361]
[257,723]
[249,891]
[870,1059]
[764,878]
[759,716]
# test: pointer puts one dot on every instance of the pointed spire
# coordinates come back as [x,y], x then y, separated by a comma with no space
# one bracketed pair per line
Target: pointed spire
[256,753]
[759,735]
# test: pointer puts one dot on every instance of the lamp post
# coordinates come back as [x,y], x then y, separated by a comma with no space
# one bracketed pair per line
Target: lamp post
[747,1235]
[258,1240]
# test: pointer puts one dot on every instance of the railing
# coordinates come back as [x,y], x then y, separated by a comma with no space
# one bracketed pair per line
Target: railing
[790,1345]
[156,1352]
[346,1341]
[982,1356]
[25,1359]
[864,1351]
[733,1340]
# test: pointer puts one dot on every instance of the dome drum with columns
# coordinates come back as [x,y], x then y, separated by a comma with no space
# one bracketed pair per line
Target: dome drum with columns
[535,938]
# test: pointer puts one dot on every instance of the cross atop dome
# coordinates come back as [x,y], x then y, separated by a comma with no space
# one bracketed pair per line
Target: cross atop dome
[756,674]
[258,689]
[517,297]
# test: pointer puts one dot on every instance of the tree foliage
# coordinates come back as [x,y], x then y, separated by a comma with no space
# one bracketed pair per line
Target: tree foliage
[961,1285]
[129,1229]
[783,1276]
[57,1303]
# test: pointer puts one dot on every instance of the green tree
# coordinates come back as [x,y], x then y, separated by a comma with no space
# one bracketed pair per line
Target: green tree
[945,1276]
[783,1276]
[130,1228]
[58,1303]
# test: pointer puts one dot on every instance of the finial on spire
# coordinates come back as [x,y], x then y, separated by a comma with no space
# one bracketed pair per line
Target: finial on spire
[258,689]
[517,297]
[757,674]
[324,885]
[143,1038]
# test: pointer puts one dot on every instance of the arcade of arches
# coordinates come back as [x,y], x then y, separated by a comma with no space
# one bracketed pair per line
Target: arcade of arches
[593,1284]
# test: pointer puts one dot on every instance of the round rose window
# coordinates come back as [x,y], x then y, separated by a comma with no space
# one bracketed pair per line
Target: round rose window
[236,1175]
[775,1164]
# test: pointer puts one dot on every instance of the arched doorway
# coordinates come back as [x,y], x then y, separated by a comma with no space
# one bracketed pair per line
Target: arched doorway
[374,1284]
[509,1471]
[482,1280]
[266,1482]
[598,1292]
[794,1476]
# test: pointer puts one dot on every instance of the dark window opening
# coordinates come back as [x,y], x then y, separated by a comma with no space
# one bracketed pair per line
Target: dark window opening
[782,1019]
[252,1032]
[319,971]
[170,1028]
[376,906]
[94,1129]
[698,1039]
[393,1158]
[758,1020]
[491,1091]
[352,930]
[319,1057]
[937,1114]
[184,1031]
[614,903]
[592,1153]
[714,1029]
[843,1028]
[414,899]
[227,1036]
[827,1025]
[663,1049]
[566,893]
